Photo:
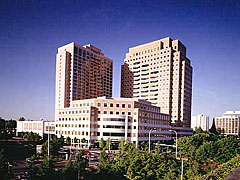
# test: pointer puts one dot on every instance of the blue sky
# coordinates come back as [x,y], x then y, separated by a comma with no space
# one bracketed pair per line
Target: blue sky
[31,32]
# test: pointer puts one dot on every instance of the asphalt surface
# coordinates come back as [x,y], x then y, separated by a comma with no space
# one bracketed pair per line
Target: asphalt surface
[235,175]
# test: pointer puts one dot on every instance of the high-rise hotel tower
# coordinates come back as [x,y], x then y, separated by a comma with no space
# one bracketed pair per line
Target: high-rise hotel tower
[82,72]
[161,73]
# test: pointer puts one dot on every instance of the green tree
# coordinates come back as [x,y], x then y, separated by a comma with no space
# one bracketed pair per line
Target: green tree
[2,124]
[80,164]
[187,146]
[21,119]
[46,168]
[121,145]
[101,143]
[103,157]
[68,141]
[10,124]
[75,140]
[69,171]
[198,130]
[83,140]
[108,144]
[32,170]
[55,145]
[3,166]
[61,140]
[34,137]
[213,129]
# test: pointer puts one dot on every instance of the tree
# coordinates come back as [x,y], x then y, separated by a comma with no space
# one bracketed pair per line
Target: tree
[46,168]
[34,137]
[103,157]
[75,140]
[68,141]
[213,129]
[69,171]
[21,119]
[198,130]
[101,143]
[3,166]
[121,145]
[80,163]
[61,140]
[10,124]
[83,140]
[55,145]
[32,170]
[108,144]
[187,146]
[2,124]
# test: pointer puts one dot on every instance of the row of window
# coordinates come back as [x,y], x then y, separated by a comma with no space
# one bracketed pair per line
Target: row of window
[74,112]
[73,125]
[72,119]
[83,133]
[114,105]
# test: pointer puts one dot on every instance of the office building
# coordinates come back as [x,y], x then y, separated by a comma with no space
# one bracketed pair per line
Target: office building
[161,73]
[200,121]
[82,72]
[114,118]
[40,127]
[229,123]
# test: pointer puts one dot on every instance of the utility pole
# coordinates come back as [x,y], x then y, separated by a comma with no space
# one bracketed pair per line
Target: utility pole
[149,139]
[176,141]
[182,170]
[48,141]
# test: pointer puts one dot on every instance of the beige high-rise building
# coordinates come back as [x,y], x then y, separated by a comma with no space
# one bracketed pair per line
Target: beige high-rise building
[161,73]
[82,72]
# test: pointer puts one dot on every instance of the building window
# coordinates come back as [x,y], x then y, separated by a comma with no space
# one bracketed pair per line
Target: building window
[123,113]
[105,104]
[111,104]
[129,105]
[123,105]
[117,105]
[99,104]
[129,113]
[111,112]
[105,112]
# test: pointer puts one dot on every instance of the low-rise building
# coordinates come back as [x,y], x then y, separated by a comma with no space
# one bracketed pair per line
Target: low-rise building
[200,121]
[38,126]
[229,123]
[114,118]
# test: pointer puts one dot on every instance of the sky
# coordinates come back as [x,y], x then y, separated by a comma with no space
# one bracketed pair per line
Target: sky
[31,31]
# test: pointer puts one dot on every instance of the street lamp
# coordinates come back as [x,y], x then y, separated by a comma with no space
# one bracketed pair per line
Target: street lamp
[48,141]
[149,138]
[176,141]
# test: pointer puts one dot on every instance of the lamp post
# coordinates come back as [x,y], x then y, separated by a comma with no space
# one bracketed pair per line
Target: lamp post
[48,141]
[182,170]
[149,139]
[176,141]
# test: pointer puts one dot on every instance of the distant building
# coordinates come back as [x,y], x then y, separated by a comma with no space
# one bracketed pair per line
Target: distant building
[200,121]
[229,123]
[40,127]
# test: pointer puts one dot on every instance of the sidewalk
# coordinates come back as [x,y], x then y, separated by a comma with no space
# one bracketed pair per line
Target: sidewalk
[235,175]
